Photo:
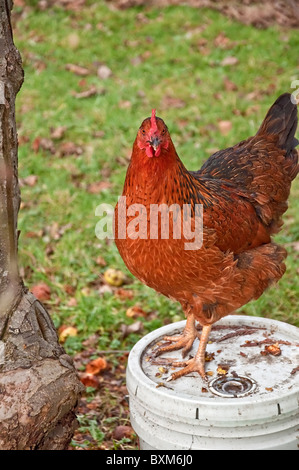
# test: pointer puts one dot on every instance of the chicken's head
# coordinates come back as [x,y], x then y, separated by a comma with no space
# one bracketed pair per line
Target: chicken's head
[153,136]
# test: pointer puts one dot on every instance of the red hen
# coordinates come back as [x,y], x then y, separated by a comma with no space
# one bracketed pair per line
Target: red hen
[243,191]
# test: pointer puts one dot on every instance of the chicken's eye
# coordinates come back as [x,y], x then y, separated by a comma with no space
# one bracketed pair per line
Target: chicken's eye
[164,131]
[142,131]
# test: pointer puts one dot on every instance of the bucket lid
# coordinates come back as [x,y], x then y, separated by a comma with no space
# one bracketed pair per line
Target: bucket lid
[252,375]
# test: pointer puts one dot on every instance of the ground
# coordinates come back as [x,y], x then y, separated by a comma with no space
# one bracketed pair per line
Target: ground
[93,72]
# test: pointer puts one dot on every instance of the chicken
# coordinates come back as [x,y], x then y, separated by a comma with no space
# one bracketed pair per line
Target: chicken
[243,191]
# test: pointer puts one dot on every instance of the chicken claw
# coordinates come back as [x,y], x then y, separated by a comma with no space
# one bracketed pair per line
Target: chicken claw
[197,363]
[183,341]
[192,365]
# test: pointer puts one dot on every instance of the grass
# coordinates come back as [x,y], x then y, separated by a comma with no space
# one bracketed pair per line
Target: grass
[170,59]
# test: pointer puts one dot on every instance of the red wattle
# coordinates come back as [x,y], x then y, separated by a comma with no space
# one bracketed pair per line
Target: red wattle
[158,151]
[149,151]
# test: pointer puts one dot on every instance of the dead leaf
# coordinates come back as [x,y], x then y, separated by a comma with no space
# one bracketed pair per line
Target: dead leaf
[56,231]
[230,60]
[222,41]
[82,83]
[135,61]
[295,370]
[202,45]
[44,144]
[66,331]
[101,261]
[104,289]
[272,349]
[98,187]
[23,139]
[96,366]
[229,85]
[172,102]
[86,93]
[32,234]
[30,180]
[135,327]
[98,134]
[91,341]
[49,250]
[294,245]
[123,431]
[253,95]
[41,291]
[77,69]
[135,311]
[70,148]
[124,104]
[89,380]
[124,293]
[104,72]
[95,404]
[58,132]
[47,144]
[35,144]
[224,127]
[209,357]
[69,289]
[252,109]
[72,302]
[222,369]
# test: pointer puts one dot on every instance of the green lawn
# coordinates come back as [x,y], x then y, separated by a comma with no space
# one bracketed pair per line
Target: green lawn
[197,68]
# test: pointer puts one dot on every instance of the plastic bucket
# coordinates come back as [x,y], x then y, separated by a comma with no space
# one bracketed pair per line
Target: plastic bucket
[251,400]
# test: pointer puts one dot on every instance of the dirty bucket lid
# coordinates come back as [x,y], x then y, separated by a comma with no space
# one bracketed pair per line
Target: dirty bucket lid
[253,374]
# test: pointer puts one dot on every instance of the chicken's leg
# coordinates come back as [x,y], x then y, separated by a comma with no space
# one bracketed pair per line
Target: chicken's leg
[197,363]
[184,340]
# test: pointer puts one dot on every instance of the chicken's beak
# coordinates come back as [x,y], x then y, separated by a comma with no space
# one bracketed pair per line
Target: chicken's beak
[155,142]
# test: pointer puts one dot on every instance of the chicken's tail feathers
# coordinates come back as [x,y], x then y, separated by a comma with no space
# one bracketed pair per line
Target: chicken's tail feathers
[281,121]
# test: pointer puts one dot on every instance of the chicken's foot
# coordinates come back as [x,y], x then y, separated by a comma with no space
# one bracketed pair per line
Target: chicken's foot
[184,340]
[197,363]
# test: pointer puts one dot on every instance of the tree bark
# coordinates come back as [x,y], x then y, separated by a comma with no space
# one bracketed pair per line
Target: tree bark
[39,387]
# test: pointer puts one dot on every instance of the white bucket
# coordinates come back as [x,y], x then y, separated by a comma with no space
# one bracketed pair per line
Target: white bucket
[260,405]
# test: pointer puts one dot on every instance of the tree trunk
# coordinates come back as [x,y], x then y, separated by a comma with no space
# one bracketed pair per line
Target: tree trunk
[39,387]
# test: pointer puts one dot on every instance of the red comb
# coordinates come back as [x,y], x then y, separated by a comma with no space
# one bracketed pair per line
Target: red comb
[154,126]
